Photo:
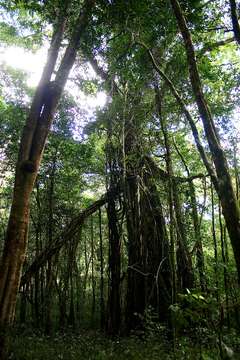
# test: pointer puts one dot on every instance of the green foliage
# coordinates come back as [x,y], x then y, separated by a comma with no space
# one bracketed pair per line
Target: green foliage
[74,172]
[93,345]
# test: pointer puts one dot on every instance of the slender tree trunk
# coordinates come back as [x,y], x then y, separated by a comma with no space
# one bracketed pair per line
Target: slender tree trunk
[71,268]
[215,245]
[236,168]
[184,261]
[196,224]
[93,274]
[169,168]
[225,272]
[50,269]
[197,231]
[87,262]
[114,308]
[102,306]
[71,318]
[37,282]
[224,186]
[170,192]
[23,306]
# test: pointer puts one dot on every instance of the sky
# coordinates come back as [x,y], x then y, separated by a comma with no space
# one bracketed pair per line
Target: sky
[33,63]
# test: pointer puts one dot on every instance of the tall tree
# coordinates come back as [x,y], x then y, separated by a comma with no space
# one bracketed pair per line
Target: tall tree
[32,144]
[224,185]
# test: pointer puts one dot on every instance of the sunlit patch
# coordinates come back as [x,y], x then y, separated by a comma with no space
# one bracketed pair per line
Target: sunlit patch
[19,58]
[33,64]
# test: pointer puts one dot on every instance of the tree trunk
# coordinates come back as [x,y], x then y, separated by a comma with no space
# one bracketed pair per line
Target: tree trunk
[136,274]
[224,186]
[93,274]
[114,308]
[196,224]
[32,144]
[158,277]
[184,261]
[169,168]
[235,23]
[50,267]
[216,265]
[198,243]
[225,272]
[102,305]
[113,322]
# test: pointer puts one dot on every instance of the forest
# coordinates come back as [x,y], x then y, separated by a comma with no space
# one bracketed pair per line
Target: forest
[119,179]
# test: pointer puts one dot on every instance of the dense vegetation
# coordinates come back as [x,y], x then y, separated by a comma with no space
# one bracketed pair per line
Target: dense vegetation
[120,227]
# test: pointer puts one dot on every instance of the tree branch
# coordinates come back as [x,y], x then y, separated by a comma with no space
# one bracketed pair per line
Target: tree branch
[213,46]
[187,114]
[235,23]
[65,236]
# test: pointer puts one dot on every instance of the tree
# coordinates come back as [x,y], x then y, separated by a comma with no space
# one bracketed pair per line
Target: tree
[223,186]
[32,144]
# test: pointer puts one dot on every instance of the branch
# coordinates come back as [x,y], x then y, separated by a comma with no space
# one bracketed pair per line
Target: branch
[38,99]
[212,46]
[104,75]
[65,236]
[187,114]
[163,175]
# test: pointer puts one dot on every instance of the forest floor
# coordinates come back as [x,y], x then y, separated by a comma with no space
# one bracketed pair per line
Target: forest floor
[27,345]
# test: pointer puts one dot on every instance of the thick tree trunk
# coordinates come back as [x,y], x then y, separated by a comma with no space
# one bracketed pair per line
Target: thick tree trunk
[224,186]
[32,144]
[15,247]
[113,321]
[136,274]
[158,275]
[137,284]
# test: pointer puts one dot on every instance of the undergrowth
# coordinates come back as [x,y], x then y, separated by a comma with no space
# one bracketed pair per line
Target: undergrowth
[28,345]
